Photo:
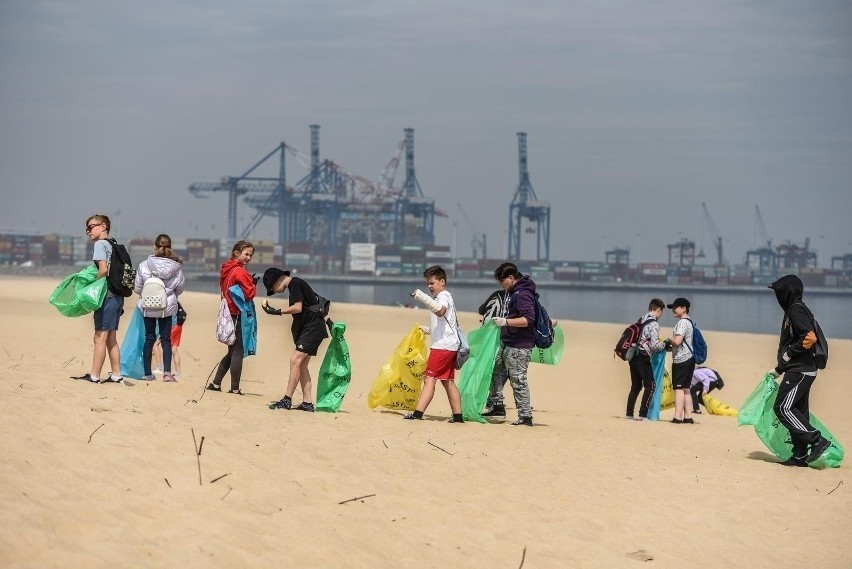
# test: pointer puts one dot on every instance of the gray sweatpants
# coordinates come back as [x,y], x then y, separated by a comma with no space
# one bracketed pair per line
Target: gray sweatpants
[512,362]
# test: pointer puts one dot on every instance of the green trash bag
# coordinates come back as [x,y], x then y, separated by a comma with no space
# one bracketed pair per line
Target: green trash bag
[552,355]
[335,372]
[758,410]
[475,379]
[80,293]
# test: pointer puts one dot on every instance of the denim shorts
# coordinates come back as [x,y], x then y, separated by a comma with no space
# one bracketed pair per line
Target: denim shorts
[108,315]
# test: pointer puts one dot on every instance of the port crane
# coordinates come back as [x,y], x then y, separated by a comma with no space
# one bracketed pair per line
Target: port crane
[526,206]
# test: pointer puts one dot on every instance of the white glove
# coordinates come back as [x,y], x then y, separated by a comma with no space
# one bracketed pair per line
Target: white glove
[425,330]
[426,300]
[499,321]
[773,373]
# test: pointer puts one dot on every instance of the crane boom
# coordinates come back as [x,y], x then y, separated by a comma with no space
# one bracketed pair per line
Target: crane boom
[765,239]
[717,239]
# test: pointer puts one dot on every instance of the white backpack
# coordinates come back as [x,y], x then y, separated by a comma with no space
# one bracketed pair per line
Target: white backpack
[225,331]
[154,295]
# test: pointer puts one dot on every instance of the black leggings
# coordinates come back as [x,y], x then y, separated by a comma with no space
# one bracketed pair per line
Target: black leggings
[641,375]
[233,360]
[696,391]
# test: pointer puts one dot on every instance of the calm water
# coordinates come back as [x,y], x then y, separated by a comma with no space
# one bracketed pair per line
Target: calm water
[724,311]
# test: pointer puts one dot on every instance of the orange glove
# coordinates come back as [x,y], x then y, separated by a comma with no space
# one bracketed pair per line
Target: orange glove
[809,341]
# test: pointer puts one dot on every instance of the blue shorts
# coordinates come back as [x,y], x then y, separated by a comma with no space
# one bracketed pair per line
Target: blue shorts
[108,315]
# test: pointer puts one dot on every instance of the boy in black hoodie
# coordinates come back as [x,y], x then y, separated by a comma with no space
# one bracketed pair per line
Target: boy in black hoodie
[796,362]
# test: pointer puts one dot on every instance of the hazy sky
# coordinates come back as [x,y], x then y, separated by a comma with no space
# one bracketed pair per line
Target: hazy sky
[636,112]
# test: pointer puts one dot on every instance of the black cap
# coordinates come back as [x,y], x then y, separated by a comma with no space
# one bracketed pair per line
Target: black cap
[271,276]
[680,301]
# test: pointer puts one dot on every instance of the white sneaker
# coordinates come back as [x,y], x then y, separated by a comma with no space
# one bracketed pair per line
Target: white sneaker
[157,371]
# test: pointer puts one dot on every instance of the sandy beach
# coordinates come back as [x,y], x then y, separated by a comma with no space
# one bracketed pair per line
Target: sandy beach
[107,475]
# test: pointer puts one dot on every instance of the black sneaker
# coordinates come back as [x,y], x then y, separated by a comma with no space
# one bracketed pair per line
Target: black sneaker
[284,403]
[412,417]
[495,411]
[309,407]
[793,461]
[816,450]
[689,421]
[213,387]
[524,421]
[85,377]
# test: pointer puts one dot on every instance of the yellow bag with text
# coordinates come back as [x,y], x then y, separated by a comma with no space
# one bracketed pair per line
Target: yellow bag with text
[398,384]
[716,407]
[667,401]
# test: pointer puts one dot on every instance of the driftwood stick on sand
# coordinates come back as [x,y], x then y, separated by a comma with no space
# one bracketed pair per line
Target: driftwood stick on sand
[218,478]
[93,432]
[356,499]
[439,448]
[167,482]
[835,488]
[523,556]
[197,454]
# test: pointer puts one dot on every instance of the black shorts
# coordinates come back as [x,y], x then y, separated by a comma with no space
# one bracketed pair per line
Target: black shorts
[682,374]
[310,336]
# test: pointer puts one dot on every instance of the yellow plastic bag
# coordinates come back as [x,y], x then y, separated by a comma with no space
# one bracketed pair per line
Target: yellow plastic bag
[667,401]
[716,407]
[398,384]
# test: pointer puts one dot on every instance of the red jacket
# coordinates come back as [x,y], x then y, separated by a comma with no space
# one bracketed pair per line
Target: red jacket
[233,272]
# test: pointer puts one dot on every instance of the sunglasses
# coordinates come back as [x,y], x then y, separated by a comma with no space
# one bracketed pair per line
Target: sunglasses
[92,225]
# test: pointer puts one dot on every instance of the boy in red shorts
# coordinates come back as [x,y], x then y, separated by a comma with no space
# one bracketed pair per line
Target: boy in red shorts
[445,344]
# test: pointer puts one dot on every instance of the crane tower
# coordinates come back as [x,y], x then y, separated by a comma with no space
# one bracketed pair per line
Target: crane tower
[525,206]
[415,213]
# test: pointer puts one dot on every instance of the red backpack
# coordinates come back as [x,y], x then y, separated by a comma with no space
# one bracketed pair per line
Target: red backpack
[625,348]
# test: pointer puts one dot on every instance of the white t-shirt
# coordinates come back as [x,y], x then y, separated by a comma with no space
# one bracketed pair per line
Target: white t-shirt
[443,328]
[682,353]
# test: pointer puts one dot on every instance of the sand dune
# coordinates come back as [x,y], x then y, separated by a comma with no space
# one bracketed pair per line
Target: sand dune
[107,475]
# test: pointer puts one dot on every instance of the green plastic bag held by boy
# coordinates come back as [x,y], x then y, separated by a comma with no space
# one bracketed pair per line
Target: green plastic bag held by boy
[758,410]
[335,372]
[475,377]
[80,293]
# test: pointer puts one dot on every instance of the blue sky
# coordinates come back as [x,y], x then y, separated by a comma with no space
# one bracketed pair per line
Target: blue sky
[636,112]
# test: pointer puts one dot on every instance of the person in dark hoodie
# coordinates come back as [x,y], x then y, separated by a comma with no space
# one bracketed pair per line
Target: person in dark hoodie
[234,273]
[796,363]
[517,339]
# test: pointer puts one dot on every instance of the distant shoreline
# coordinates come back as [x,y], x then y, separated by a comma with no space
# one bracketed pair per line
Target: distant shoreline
[545,285]
[59,271]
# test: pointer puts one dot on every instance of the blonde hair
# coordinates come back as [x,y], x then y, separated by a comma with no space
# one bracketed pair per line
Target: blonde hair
[163,248]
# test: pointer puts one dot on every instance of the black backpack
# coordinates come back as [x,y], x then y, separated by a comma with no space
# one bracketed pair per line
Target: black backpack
[627,344]
[121,274]
[322,306]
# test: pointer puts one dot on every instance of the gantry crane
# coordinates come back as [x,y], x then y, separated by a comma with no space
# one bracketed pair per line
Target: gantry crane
[331,205]
[526,206]
[237,186]
[415,213]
